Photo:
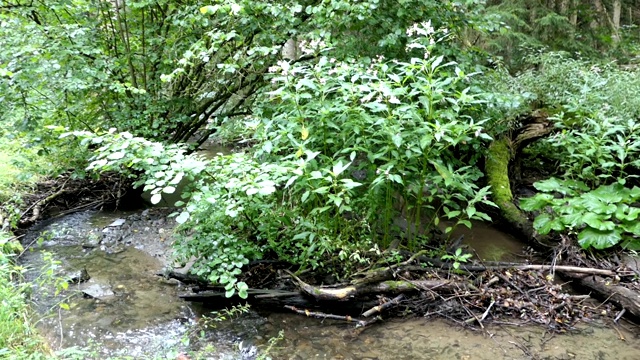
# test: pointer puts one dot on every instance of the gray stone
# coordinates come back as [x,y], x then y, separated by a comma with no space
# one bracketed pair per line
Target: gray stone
[117,222]
[78,276]
[98,291]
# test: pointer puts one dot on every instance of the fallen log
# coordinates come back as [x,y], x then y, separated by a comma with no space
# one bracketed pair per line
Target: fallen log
[348,292]
[426,263]
[620,296]
[501,153]
[275,300]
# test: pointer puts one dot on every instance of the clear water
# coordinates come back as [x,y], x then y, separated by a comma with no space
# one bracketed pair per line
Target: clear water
[145,318]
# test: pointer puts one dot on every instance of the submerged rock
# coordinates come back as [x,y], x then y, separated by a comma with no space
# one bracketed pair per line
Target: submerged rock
[78,276]
[98,291]
[116,223]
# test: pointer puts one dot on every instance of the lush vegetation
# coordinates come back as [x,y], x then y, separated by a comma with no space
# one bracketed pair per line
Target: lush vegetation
[364,125]
[19,338]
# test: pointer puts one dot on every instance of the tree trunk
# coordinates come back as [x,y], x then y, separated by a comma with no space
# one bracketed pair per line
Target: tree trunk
[599,12]
[563,5]
[573,17]
[617,10]
[622,297]
[501,152]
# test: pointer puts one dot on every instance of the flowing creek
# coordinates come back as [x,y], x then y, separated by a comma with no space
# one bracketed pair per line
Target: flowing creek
[134,312]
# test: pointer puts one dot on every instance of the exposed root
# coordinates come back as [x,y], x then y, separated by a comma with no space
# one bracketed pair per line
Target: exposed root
[64,195]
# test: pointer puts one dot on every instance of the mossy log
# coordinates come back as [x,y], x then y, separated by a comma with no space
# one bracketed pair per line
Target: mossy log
[500,155]
[497,169]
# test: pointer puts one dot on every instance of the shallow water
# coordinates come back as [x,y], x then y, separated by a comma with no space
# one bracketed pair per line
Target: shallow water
[489,243]
[437,339]
[144,318]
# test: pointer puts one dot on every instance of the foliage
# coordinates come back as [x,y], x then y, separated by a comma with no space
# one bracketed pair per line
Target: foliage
[576,27]
[403,129]
[599,152]
[21,167]
[602,218]
[19,338]
[458,257]
[176,71]
[318,188]
[595,145]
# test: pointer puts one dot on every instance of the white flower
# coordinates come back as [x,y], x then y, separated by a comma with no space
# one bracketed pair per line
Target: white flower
[284,65]
[394,100]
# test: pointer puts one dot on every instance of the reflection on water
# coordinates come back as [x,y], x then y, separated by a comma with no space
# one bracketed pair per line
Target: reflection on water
[488,243]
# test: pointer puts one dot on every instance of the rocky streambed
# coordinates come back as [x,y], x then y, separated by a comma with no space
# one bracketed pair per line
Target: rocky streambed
[118,306]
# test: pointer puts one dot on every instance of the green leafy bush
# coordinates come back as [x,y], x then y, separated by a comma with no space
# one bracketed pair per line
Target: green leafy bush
[602,218]
[405,129]
[338,144]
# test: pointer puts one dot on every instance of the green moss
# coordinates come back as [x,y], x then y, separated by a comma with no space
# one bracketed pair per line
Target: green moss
[398,285]
[497,170]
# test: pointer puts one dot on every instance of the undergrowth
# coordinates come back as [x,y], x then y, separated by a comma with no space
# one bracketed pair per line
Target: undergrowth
[19,338]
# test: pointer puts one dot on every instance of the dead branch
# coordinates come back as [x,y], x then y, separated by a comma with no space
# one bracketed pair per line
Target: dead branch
[619,295]
[384,287]
[321,315]
[376,309]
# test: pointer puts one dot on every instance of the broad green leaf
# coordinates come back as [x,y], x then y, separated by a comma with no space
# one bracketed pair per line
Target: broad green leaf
[452,214]
[397,140]
[156,198]
[609,194]
[536,202]
[316,175]
[267,187]
[598,239]
[443,171]
[339,168]
[322,190]
[572,220]
[598,221]
[635,193]
[243,289]
[290,181]
[552,185]
[183,217]
[437,62]
[267,146]
[596,204]
[631,244]
[350,184]
[632,227]
[116,155]
[543,223]
[177,178]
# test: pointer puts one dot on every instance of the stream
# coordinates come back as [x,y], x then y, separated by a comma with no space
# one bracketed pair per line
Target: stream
[125,309]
